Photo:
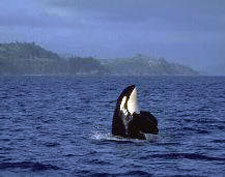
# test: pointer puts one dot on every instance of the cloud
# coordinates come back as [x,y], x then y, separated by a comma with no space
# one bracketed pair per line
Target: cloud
[151,15]
[28,15]
[135,11]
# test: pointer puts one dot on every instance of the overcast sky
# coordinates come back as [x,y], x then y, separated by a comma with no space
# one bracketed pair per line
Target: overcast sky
[190,32]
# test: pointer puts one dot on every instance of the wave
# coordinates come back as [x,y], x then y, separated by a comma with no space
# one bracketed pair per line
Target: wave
[136,173]
[34,166]
[128,173]
[191,156]
[219,141]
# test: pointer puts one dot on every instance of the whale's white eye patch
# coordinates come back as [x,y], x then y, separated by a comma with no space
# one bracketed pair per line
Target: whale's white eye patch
[123,102]
[132,104]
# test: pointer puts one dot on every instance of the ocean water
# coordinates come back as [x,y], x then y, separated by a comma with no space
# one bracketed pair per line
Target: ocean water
[61,126]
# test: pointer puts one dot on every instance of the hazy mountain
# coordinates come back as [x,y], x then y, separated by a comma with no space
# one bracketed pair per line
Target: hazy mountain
[30,59]
[25,51]
[143,66]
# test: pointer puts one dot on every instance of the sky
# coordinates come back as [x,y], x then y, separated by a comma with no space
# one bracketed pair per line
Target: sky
[190,32]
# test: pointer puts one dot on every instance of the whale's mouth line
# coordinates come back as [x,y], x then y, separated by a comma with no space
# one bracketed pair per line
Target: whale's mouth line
[127,118]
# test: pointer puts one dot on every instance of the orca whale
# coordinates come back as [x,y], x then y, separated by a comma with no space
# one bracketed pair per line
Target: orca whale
[128,121]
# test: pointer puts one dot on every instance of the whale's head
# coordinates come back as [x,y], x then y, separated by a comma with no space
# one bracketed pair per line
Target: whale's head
[126,107]
[128,120]
[127,101]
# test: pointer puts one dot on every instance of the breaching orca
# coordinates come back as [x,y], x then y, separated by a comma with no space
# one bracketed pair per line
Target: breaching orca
[128,121]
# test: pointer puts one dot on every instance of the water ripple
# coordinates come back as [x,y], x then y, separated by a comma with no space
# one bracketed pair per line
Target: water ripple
[62,125]
[191,156]
[34,166]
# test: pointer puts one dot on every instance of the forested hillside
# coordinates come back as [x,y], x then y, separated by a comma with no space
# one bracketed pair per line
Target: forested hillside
[30,59]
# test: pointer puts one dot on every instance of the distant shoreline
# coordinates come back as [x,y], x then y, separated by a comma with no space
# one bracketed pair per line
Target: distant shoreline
[29,59]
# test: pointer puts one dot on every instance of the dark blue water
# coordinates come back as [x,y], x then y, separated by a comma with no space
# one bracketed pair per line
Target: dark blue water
[55,126]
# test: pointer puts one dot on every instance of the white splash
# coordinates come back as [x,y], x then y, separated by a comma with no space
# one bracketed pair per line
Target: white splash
[101,136]
[109,137]
[151,137]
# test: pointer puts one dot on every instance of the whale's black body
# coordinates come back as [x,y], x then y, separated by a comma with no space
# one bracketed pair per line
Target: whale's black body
[128,121]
